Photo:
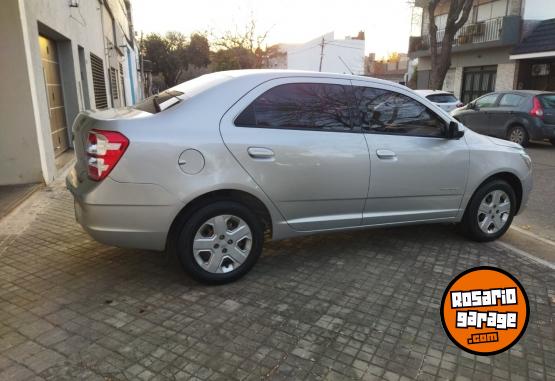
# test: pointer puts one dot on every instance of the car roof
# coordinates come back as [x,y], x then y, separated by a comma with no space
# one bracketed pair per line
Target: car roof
[525,92]
[425,92]
[280,73]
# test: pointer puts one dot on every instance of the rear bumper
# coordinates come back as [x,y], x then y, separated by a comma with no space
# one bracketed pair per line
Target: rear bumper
[541,131]
[124,214]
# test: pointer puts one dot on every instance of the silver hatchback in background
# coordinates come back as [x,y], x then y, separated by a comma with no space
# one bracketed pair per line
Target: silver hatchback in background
[443,99]
[211,166]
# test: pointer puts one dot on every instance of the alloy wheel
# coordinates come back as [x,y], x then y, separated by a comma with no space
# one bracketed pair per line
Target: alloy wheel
[222,244]
[517,135]
[494,211]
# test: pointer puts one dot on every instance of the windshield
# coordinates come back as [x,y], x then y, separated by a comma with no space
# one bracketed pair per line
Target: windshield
[442,98]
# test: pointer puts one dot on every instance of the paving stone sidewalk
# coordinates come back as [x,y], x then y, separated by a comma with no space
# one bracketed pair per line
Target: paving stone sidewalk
[362,305]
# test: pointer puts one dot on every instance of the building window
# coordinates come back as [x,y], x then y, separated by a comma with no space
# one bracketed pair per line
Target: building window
[122,83]
[99,83]
[478,81]
[114,83]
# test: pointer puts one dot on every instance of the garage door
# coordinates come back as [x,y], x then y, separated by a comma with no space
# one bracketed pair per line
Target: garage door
[53,86]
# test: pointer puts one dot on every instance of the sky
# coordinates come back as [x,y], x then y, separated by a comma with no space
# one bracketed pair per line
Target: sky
[387,23]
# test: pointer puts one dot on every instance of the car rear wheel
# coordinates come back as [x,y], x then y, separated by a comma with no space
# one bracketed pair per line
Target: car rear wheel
[518,134]
[490,211]
[220,242]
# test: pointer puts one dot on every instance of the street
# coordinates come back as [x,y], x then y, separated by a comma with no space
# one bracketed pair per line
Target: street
[362,305]
[539,216]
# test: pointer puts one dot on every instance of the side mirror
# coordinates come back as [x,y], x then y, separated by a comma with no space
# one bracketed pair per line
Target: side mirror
[453,131]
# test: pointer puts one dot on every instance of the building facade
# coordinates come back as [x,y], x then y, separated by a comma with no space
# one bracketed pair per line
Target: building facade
[328,54]
[486,56]
[393,69]
[59,57]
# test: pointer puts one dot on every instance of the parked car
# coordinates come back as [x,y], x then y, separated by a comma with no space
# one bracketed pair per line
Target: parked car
[518,116]
[207,168]
[445,100]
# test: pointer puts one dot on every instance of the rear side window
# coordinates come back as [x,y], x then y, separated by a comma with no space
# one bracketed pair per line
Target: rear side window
[317,106]
[384,111]
[442,98]
[510,100]
[487,100]
[547,101]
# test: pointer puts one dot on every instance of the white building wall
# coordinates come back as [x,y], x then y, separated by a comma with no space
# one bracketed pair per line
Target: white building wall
[26,148]
[20,156]
[339,56]
[506,77]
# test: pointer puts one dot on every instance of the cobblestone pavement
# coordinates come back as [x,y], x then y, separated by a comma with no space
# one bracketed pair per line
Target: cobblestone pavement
[362,305]
[539,215]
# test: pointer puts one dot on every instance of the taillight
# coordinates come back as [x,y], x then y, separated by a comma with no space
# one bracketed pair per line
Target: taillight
[104,149]
[460,104]
[537,109]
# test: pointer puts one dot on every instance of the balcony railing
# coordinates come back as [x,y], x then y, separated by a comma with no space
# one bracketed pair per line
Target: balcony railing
[484,31]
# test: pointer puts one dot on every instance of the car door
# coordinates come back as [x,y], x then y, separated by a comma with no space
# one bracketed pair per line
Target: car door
[294,137]
[416,173]
[477,117]
[500,116]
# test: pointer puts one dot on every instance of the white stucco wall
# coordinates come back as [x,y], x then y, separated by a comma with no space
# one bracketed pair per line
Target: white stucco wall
[506,77]
[307,56]
[26,149]
[20,157]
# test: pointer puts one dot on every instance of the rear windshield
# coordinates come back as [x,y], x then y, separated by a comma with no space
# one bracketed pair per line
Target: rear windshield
[442,98]
[180,93]
[547,100]
[159,102]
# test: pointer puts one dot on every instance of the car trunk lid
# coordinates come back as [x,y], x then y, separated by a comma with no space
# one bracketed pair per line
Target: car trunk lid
[99,120]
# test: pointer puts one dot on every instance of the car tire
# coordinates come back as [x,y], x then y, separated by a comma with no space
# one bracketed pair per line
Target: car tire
[552,141]
[489,202]
[209,265]
[517,134]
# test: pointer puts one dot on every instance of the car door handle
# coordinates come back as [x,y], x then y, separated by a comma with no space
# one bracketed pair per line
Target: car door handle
[386,154]
[260,152]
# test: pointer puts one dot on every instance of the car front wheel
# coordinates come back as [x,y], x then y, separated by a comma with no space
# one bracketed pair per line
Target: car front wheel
[490,211]
[220,242]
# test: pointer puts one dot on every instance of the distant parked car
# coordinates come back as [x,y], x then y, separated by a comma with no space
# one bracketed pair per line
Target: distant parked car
[445,100]
[518,116]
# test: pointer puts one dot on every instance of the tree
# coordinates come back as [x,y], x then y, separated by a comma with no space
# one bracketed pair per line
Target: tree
[172,54]
[240,49]
[459,10]
[198,51]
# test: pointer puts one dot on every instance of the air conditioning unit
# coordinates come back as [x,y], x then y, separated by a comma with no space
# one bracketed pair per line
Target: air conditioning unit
[539,70]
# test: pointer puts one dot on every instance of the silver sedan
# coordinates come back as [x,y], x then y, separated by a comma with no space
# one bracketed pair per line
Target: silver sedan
[211,167]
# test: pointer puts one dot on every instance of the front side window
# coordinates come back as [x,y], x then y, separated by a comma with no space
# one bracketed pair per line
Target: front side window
[384,111]
[317,106]
[486,101]
[510,100]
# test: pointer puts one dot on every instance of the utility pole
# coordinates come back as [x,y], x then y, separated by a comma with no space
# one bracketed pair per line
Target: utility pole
[321,53]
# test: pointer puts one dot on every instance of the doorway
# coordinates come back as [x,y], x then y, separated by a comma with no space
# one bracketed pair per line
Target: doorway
[53,86]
